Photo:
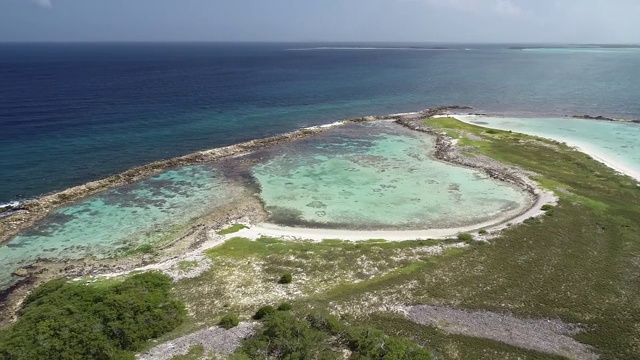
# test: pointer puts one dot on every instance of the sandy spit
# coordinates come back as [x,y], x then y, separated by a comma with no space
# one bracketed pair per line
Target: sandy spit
[578,146]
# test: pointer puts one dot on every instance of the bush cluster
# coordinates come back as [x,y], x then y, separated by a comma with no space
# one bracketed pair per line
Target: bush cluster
[286,279]
[63,320]
[283,336]
[465,237]
[264,311]
[229,321]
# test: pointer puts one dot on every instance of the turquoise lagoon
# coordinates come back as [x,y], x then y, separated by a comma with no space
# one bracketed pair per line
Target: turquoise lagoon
[357,176]
[119,219]
[616,142]
[377,176]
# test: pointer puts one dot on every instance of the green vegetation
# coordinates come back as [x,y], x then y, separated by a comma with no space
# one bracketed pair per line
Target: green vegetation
[483,232]
[63,320]
[232,229]
[580,265]
[284,307]
[229,321]
[264,311]
[547,207]
[286,278]
[466,237]
[284,336]
[448,346]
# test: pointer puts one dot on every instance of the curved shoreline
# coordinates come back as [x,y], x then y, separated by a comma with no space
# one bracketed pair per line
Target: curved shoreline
[36,209]
[576,145]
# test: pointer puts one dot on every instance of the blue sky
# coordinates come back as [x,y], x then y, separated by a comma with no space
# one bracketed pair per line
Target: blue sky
[568,21]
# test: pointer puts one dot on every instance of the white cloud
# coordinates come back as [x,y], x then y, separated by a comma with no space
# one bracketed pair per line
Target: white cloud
[44,3]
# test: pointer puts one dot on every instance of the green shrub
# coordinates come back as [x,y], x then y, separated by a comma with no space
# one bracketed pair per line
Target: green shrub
[64,320]
[532,221]
[263,312]
[546,207]
[286,279]
[232,229]
[327,323]
[466,237]
[284,337]
[321,336]
[373,344]
[284,307]
[229,321]
[483,232]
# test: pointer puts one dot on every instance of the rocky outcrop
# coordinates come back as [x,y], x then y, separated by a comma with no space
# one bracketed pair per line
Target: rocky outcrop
[446,151]
[603,118]
[33,210]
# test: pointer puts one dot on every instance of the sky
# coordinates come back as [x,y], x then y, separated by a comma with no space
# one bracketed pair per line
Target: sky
[462,21]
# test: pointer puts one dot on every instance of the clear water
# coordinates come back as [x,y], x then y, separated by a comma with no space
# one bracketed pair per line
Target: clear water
[377,176]
[617,141]
[119,219]
[71,113]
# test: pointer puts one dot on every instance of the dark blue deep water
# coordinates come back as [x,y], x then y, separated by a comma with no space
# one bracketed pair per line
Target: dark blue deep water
[71,113]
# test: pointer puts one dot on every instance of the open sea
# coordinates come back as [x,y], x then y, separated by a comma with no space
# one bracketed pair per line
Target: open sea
[72,113]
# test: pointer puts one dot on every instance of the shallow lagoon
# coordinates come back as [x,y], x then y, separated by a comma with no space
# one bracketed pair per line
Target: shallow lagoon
[357,176]
[617,142]
[377,176]
[119,219]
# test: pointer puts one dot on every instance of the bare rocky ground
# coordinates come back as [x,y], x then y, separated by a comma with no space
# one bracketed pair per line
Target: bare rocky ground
[215,340]
[547,336]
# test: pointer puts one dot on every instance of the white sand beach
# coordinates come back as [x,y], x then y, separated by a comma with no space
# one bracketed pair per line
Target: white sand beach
[578,146]
[271,230]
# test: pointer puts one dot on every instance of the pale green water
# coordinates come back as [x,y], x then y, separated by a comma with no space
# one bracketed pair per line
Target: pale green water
[611,140]
[377,176]
[120,218]
[359,176]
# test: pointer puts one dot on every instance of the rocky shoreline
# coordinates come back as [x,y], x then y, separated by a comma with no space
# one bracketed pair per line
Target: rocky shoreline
[447,152]
[249,210]
[31,211]
[603,118]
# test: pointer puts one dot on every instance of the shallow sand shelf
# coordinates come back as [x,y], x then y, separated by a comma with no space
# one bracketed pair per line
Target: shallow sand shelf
[361,179]
[379,176]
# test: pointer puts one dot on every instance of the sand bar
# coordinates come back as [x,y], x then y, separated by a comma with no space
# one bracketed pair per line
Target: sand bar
[577,145]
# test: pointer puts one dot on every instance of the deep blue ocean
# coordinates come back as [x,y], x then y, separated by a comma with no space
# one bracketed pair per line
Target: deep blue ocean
[72,113]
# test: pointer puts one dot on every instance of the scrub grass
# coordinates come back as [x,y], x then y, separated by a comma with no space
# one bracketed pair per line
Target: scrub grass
[231,229]
[581,265]
[245,273]
[446,346]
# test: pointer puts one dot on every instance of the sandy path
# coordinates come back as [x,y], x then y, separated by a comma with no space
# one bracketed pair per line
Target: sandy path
[215,340]
[547,336]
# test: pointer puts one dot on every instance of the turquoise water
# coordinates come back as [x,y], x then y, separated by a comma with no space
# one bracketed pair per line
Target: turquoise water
[119,219]
[377,176]
[617,141]
[73,113]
